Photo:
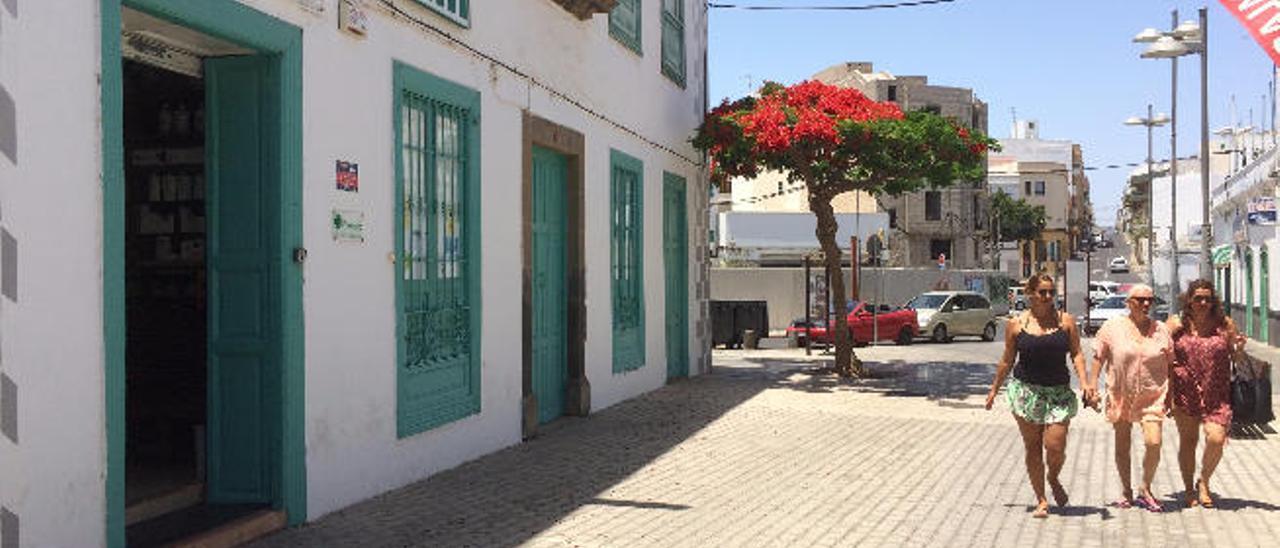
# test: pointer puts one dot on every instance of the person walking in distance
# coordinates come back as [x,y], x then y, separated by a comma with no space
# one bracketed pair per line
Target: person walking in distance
[1135,350]
[1039,391]
[1204,342]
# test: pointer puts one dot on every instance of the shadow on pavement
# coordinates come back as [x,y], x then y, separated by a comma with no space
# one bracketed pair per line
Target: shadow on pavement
[943,382]
[509,497]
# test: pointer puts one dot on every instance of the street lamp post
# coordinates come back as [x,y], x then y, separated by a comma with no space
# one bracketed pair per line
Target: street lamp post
[1187,38]
[1151,121]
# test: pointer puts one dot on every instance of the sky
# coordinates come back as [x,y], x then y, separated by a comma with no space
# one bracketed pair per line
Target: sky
[1069,64]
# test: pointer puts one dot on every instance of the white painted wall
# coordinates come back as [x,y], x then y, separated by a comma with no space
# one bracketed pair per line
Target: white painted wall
[352,449]
[53,343]
[52,336]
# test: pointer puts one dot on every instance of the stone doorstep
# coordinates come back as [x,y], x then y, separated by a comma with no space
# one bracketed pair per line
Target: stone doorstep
[183,497]
[238,532]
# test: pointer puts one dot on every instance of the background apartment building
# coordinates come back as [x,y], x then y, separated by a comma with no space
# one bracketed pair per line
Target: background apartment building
[930,222]
[1047,173]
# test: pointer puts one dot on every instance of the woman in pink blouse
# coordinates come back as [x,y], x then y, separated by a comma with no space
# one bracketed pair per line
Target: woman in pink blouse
[1136,351]
[1200,389]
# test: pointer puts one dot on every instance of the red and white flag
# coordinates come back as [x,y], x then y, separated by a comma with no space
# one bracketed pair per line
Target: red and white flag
[1262,18]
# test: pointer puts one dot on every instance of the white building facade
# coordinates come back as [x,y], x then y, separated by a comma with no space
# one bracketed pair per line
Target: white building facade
[1245,234]
[299,253]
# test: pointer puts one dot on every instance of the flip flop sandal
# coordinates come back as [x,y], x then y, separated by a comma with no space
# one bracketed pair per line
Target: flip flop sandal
[1149,504]
[1122,503]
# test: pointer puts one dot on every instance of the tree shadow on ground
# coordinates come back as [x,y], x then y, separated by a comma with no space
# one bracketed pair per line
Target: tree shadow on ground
[946,383]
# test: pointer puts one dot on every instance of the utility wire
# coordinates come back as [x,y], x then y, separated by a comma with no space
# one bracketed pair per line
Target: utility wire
[754,7]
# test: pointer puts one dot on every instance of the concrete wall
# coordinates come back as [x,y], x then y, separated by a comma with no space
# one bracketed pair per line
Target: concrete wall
[784,288]
[51,344]
[51,204]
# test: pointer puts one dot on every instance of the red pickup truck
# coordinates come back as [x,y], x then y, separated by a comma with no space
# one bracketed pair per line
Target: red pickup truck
[895,324]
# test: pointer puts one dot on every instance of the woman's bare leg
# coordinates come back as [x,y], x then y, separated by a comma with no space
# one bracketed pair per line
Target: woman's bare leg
[1055,455]
[1123,464]
[1188,439]
[1151,433]
[1215,438]
[1033,445]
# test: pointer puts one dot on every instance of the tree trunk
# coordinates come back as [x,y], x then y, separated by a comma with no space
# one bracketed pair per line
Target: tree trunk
[847,365]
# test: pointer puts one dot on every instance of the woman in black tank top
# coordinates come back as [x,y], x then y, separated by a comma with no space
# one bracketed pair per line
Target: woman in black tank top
[1039,392]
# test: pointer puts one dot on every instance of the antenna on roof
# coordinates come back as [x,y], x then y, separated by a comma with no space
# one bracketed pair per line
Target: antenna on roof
[1013,128]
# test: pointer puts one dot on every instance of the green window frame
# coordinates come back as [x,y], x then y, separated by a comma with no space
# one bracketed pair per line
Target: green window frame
[437,231]
[626,253]
[673,56]
[458,11]
[624,24]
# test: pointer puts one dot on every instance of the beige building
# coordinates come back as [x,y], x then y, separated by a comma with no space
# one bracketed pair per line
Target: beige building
[1040,184]
[927,223]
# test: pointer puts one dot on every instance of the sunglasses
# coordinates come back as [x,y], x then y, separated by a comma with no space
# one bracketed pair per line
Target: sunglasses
[1046,292]
[1142,300]
[1202,299]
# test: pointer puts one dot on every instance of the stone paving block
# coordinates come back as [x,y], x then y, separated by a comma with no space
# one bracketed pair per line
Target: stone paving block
[764,452]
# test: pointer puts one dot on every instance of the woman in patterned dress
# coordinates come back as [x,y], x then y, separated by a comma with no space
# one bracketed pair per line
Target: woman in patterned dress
[1039,392]
[1136,351]
[1200,388]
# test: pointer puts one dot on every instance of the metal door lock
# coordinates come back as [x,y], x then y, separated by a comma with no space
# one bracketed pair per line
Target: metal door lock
[299,254]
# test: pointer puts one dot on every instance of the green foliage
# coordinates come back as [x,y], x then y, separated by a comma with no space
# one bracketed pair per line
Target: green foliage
[1017,220]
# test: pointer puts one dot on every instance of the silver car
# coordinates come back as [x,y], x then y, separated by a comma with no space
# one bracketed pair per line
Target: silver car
[942,315]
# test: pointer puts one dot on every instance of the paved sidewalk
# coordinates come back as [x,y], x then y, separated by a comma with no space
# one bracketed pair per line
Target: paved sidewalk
[766,453]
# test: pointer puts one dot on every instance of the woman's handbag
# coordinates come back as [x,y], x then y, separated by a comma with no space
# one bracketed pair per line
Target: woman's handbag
[1251,392]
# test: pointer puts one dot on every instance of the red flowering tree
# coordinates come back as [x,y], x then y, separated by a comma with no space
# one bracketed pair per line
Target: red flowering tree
[836,140]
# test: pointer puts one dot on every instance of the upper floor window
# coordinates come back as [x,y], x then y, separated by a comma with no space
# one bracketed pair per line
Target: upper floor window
[458,11]
[932,205]
[1039,188]
[624,24]
[673,40]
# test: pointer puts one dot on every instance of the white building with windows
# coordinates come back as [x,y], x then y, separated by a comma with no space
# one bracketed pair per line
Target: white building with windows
[286,255]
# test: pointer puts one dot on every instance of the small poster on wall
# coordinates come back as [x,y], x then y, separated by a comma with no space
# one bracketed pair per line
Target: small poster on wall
[347,225]
[348,176]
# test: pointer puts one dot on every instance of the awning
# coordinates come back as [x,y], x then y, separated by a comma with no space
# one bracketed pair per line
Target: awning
[1222,255]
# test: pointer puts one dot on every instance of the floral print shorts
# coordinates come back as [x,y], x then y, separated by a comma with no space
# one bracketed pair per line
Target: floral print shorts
[1042,404]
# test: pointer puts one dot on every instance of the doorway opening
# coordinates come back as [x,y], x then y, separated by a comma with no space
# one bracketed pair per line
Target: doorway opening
[178,452]
[165,308]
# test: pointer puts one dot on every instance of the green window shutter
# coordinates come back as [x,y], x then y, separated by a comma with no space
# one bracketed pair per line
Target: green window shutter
[673,40]
[624,24]
[626,253]
[437,161]
[458,11]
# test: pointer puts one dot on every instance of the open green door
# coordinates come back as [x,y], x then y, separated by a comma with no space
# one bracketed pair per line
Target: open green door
[675,251]
[550,312]
[244,294]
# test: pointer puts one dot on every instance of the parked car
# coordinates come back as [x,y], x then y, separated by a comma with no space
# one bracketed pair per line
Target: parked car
[1116,305]
[890,323]
[1100,290]
[1118,264]
[942,315]
[815,329]
[1109,308]
[1017,297]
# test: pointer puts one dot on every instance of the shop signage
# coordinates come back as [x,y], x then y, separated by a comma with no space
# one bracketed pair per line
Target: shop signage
[1262,210]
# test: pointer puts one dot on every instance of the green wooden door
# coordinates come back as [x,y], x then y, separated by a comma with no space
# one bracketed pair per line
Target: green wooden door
[675,252]
[550,346]
[243,219]
[1264,299]
[1248,293]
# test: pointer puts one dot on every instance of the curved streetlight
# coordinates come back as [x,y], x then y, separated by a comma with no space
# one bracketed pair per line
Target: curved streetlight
[1151,121]
[1187,38]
